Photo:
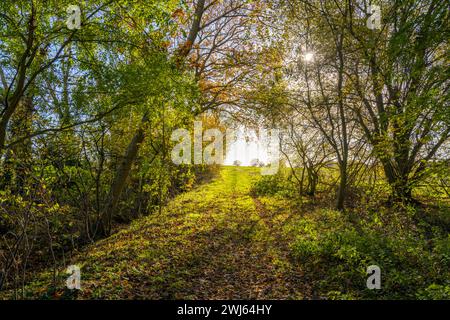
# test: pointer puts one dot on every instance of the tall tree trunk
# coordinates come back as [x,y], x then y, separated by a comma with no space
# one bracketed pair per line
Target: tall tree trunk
[342,190]
[17,165]
[184,50]
[133,148]
[343,161]
[12,103]
[401,190]
[120,179]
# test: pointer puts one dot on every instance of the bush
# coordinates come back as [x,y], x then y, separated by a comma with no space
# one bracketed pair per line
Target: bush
[273,185]
[331,248]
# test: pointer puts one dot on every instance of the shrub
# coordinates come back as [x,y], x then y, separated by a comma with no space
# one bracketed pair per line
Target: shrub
[273,185]
[332,249]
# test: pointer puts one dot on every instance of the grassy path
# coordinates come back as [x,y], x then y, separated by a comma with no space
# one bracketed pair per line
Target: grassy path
[215,242]
[220,241]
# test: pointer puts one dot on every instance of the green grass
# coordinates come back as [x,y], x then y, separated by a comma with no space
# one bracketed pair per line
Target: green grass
[211,242]
[223,240]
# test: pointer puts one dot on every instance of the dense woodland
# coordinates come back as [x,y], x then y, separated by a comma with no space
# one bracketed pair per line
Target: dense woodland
[86,122]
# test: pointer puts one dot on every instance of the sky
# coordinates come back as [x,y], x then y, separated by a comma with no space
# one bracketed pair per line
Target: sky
[245,148]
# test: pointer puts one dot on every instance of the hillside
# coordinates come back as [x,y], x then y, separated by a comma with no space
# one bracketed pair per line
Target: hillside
[223,241]
[215,242]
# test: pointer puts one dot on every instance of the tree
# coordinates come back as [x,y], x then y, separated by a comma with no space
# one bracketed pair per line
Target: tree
[391,83]
[401,81]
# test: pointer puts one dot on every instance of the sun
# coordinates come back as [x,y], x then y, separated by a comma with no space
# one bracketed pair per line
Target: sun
[308,57]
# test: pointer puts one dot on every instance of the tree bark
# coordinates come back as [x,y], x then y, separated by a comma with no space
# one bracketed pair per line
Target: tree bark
[342,190]
[120,179]
[133,148]
[17,165]
[25,60]
[184,50]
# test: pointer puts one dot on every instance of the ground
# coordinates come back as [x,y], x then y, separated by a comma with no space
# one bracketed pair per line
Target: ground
[223,240]
[214,242]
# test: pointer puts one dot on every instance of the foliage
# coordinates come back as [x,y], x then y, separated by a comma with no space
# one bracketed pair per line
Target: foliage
[337,252]
[273,185]
[86,175]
